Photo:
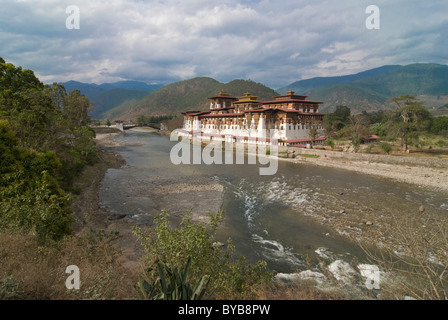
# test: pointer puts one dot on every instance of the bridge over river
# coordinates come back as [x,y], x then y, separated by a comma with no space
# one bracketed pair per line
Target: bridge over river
[126,126]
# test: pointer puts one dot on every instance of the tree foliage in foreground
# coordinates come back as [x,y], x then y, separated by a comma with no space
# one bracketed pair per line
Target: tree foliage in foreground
[44,143]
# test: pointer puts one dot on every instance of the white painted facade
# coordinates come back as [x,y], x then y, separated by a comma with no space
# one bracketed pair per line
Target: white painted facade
[284,123]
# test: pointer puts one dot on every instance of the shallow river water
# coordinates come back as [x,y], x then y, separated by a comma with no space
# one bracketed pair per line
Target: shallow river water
[267,217]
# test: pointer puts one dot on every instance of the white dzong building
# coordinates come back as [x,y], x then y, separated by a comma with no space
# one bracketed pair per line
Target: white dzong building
[289,119]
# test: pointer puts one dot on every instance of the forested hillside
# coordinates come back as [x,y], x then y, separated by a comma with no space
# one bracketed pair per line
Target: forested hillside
[186,95]
[371,90]
[109,95]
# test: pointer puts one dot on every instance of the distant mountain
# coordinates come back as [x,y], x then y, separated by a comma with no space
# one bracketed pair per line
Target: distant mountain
[304,86]
[187,95]
[105,100]
[368,91]
[95,88]
[131,85]
[110,95]
[371,90]
[415,79]
[351,95]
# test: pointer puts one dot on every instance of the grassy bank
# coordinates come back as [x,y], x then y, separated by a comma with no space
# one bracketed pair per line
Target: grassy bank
[31,271]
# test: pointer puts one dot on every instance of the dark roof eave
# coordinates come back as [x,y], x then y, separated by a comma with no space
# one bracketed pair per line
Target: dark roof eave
[291,100]
[225,97]
[223,115]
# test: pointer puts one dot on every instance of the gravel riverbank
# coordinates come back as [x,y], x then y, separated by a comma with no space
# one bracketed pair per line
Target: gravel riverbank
[422,175]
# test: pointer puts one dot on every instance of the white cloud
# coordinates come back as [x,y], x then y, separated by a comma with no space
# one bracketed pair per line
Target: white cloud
[294,56]
[273,42]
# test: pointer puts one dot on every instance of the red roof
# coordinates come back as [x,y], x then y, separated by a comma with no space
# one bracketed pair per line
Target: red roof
[255,138]
[183,131]
[293,96]
[291,100]
[257,110]
[304,140]
[194,113]
[226,108]
[213,135]
[223,97]
[205,114]
[313,113]
[299,112]
[222,115]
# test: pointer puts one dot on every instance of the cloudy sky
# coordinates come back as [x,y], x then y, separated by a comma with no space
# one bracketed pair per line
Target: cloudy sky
[274,42]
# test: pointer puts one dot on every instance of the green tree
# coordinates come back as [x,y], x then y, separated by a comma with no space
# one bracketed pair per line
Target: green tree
[357,130]
[44,143]
[440,125]
[25,104]
[58,95]
[342,114]
[77,107]
[336,121]
[386,147]
[407,120]
[313,130]
[330,142]
[31,199]
[141,120]
[375,117]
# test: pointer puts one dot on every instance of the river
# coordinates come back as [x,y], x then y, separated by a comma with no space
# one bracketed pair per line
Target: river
[267,217]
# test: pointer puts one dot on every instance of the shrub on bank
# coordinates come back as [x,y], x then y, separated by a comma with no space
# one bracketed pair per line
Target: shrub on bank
[234,277]
[386,147]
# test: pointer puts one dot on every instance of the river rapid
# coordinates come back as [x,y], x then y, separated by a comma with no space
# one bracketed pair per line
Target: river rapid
[274,217]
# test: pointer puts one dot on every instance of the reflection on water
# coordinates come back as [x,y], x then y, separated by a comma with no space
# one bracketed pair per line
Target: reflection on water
[267,217]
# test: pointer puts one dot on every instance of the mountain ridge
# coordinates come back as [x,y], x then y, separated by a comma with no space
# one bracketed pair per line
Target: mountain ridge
[370,91]
[191,94]
[110,95]
[307,85]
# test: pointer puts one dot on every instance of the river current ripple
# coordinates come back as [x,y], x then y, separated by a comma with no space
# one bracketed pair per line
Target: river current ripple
[270,217]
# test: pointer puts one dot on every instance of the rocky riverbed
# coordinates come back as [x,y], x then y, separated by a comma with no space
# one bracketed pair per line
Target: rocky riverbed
[417,171]
[362,224]
[379,227]
[176,195]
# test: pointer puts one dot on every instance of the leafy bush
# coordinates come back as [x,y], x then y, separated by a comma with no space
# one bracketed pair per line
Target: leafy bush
[8,288]
[174,246]
[31,199]
[330,142]
[176,288]
[440,126]
[42,209]
[386,147]
[441,143]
